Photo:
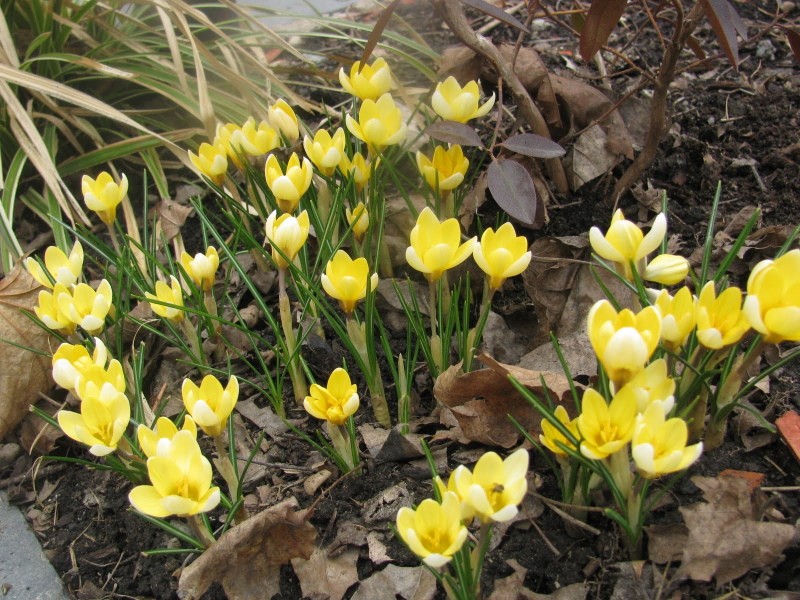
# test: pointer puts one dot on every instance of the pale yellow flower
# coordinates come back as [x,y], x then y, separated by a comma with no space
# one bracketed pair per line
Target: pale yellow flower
[167,294]
[211,160]
[49,312]
[335,402]
[772,305]
[63,269]
[358,219]
[288,186]
[501,254]
[102,421]
[454,103]
[446,169]
[358,168]
[348,280]
[287,235]
[623,341]
[325,151]
[436,247]
[86,307]
[70,360]
[677,317]
[380,123]
[210,404]
[659,445]
[606,429]
[666,269]
[103,195]
[652,385]
[550,436]
[433,531]
[202,267]
[281,117]
[625,244]
[181,479]
[158,440]
[368,82]
[720,319]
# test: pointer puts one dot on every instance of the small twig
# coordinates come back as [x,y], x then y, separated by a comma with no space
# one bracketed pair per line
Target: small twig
[570,519]
[782,488]
[545,539]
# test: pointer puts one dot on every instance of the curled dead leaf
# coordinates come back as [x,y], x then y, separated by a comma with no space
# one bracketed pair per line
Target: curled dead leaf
[24,373]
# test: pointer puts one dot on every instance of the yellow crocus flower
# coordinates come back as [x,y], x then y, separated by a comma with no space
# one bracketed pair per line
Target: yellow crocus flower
[659,445]
[436,247]
[290,185]
[446,169]
[358,168]
[158,440]
[93,378]
[202,267]
[211,160]
[454,103]
[250,139]
[666,269]
[624,243]
[652,385]
[368,82]
[181,479]
[720,319]
[102,421]
[772,305]
[49,312]
[209,404]
[336,401]
[358,219]
[433,531]
[605,428]
[103,195]
[70,360]
[85,306]
[501,254]
[550,436]
[493,490]
[677,316]
[380,123]
[623,341]
[167,294]
[286,234]
[282,117]
[348,280]
[61,268]
[325,150]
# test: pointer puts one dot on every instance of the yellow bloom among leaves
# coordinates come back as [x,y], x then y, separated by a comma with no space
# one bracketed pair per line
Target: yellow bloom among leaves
[253,139]
[202,267]
[102,421]
[624,243]
[84,306]
[551,437]
[358,219]
[325,150]
[605,428]
[209,404]
[336,401]
[58,267]
[167,294]
[348,280]
[433,531]
[652,385]
[720,320]
[623,341]
[181,481]
[158,440]
[454,103]
[666,269]
[380,123]
[501,254]
[211,160]
[368,82]
[493,490]
[288,186]
[281,117]
[772,305]
[677,316]
[70,360]
[446,169]
[286,234]
[436,247]
[358,168]
[659,444]
[103,195]
[50,314]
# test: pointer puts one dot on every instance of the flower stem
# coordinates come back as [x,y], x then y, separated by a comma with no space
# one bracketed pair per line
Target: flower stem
[340,438]
[299,385]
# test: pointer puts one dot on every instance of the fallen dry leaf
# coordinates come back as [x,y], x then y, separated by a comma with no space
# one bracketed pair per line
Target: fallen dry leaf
[24,374]
[482,400]
[408,583]
[788,425]
[725,540]
[246,559]
[172,217]
[327,577]
[665,543]
[510,588]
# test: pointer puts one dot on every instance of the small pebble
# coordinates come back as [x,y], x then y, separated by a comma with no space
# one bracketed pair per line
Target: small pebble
[8,454]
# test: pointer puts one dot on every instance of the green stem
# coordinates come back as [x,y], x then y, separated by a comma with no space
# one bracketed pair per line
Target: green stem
[201,531]
[299,385]
[476,333]
[340,438]
[377,395]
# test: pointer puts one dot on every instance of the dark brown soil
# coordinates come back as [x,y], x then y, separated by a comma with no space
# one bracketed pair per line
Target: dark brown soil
[741,130]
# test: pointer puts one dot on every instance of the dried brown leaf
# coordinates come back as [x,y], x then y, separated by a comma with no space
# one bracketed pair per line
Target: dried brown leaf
[794,43]
[24,374]
[482,400]
[536,146]
[409,583]
[173,215]
[327,576]
[246,559]
[725,538]
[726,23]
[603,16]
[497,13]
